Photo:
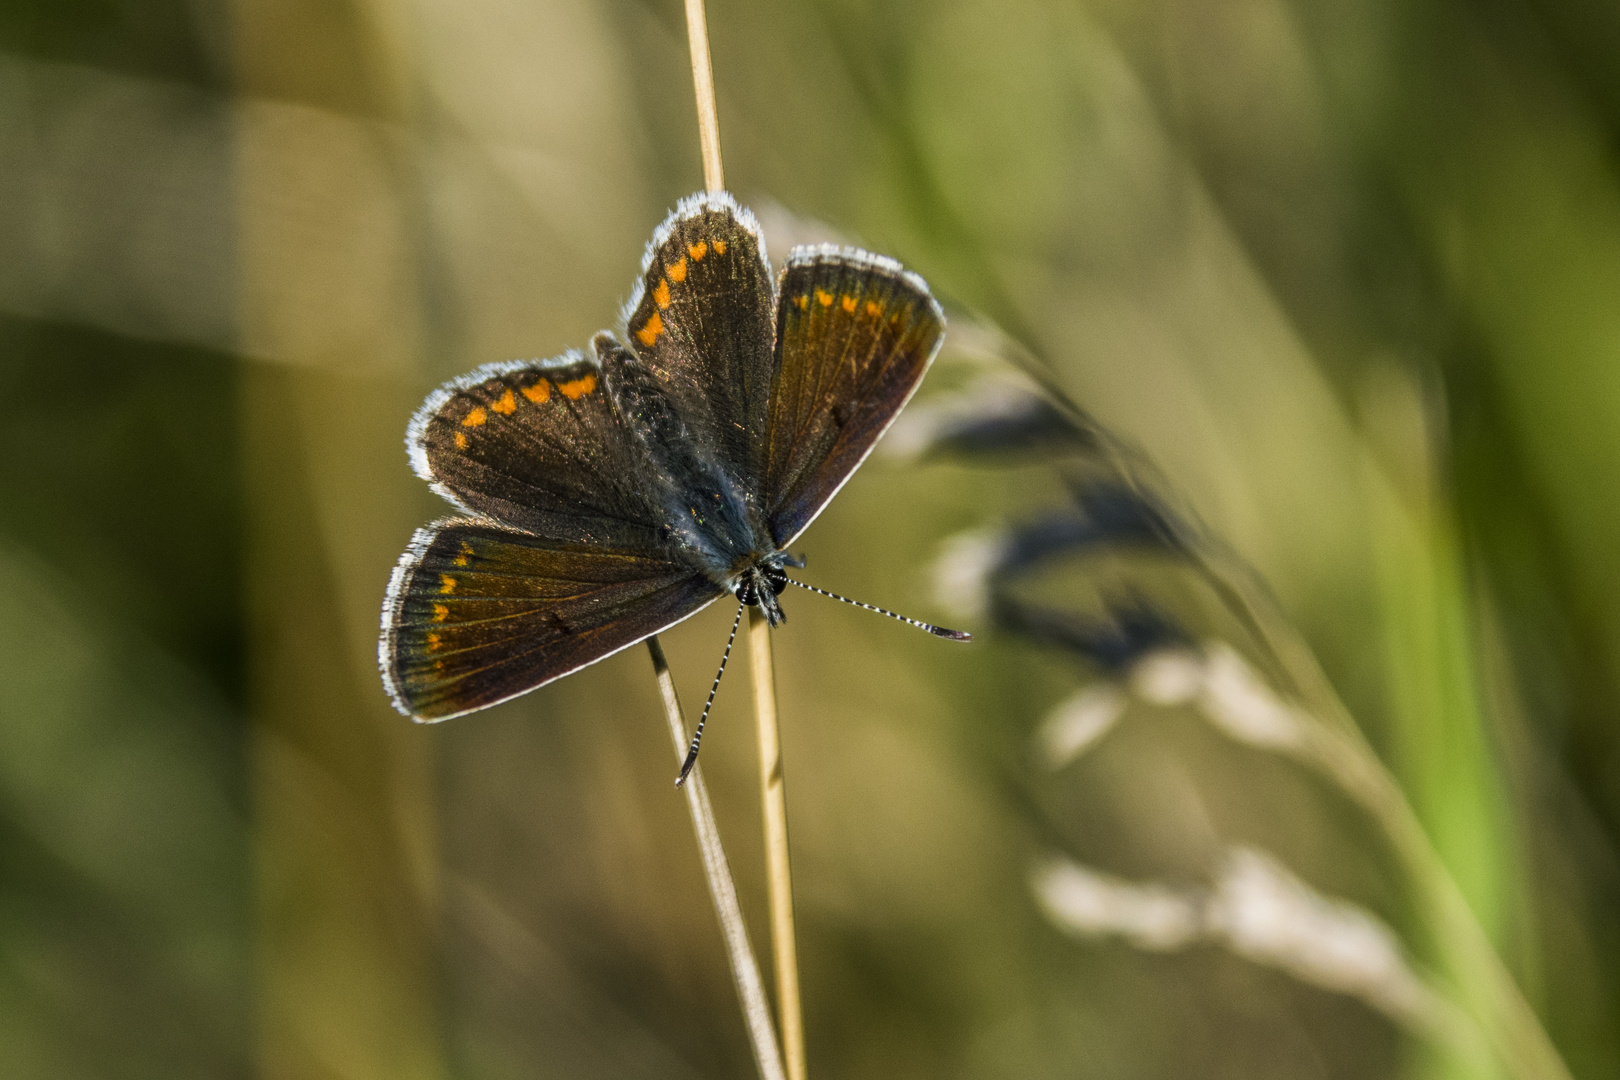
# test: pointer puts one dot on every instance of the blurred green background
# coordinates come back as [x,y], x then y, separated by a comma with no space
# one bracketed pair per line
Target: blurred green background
[1348,272]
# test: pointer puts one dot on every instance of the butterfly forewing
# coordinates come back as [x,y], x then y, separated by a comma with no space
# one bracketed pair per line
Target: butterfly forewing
[477,614]
[539,446]
[702,324]
[854,335]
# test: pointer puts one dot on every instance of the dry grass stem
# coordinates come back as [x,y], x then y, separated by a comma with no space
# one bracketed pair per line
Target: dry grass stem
[779,875]
[722,889]
[697,37]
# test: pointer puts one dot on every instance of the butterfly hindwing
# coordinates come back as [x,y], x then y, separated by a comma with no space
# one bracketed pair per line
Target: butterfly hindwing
[539,446]
[477,613]
[854,335]
[701,323]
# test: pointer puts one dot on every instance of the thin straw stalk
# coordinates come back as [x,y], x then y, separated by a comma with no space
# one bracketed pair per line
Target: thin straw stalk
[773,801]
[778,872]
[722,889]
[697,39]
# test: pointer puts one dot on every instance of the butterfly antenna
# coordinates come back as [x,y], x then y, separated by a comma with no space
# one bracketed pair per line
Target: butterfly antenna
[937,631]
[697,737]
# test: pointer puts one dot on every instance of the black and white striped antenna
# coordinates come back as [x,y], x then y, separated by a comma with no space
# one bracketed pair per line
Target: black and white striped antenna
[697,737]
[937,631]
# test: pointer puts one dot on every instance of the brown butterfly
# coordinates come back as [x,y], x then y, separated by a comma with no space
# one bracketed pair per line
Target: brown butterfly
[612,494]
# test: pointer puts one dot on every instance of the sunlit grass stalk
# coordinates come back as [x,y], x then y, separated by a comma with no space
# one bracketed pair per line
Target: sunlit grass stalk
[778,872]
[722,889]
[697,39]
[773,799]
[1338,747]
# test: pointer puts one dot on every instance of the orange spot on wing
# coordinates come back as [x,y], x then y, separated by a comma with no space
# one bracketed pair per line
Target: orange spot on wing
[802,301]
[719,247]
[461,559]
[447,584]
[677,271]
[824,298]
[581,386]
[475,418]
[661,294]
[433,641]
[874,308]
[848,304]
[698,250]
[647,334]
[440,613]
[539,392]
[506,404]
[461,440]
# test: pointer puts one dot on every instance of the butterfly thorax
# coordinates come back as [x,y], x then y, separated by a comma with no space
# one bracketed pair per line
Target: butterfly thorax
[715,523]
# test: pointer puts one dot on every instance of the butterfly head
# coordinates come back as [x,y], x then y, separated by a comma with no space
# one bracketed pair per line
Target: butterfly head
[760,585]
